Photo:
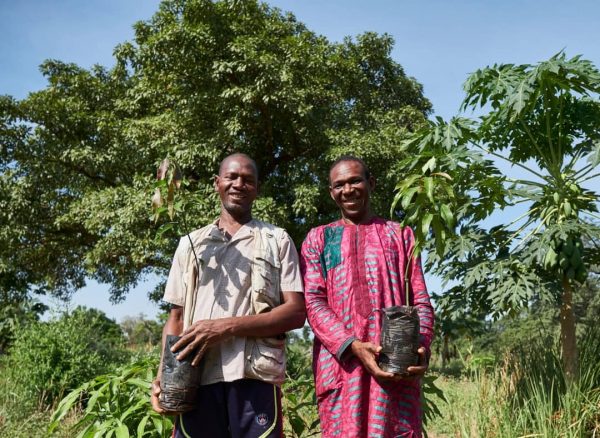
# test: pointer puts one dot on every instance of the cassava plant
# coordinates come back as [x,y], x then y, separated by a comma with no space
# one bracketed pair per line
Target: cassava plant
[115,405]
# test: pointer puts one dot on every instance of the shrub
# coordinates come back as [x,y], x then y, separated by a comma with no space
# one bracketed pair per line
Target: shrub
[140,331]
[50,358]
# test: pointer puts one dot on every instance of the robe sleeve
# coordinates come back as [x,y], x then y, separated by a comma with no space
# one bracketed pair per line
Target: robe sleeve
[326,325]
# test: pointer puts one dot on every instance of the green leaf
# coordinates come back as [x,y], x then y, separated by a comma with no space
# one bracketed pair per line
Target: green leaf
[429,166]
[428,185]
[408,197]
[447,215]
[142,426]
[122,431]
[164,228]
[158,426]
[425,223]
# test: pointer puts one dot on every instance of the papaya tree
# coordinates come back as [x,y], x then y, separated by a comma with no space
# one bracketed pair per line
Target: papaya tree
[532,157]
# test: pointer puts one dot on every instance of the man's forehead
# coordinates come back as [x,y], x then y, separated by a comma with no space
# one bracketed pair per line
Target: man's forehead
[344,169]
[236,164]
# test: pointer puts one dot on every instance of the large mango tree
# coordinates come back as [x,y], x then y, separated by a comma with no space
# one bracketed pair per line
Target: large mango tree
[505,204]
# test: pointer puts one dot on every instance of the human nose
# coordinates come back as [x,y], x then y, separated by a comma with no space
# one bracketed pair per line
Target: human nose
[238,182]
[347,188]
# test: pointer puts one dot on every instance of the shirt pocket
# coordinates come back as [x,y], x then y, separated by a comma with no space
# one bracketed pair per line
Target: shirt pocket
[266,359]
[266,269]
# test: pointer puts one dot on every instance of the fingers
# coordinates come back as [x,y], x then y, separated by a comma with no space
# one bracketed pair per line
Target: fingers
[199,354]
[367,353]
[188,344]
[418,371]
[154,397]
[155,387]
[182,342]
[196,339]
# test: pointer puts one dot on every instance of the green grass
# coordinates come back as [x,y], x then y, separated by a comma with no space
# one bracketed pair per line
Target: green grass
[525,397]
[22,418]
[455,419]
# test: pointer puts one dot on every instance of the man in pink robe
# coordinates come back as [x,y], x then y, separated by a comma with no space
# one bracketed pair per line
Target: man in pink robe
[352,268]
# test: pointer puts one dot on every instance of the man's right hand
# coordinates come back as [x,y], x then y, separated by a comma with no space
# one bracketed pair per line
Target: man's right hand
[155,394]
[367,353]
[154,399]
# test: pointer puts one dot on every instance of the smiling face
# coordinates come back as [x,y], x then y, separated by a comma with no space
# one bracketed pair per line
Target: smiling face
[351,189]
[237,185]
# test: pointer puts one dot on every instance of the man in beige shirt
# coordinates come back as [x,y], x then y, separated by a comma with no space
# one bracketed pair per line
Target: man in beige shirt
[235,289]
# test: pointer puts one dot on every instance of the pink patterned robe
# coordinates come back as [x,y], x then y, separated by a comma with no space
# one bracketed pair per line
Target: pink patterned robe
[350,270]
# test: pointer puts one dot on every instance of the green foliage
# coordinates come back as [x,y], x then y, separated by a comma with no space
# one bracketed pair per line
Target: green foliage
[523,100]
[50,358]
[16,311]
[140,331]
[200,80]
[526,395]
[17,419]
[115,404]
[430,394]
[541,119]
[300,407]
[301,418]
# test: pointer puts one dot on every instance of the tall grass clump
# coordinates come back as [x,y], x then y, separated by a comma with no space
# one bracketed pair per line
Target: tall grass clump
[527,395]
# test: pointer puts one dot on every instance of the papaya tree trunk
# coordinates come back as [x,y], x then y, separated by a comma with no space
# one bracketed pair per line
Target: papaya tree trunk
[445,352]
[567,333]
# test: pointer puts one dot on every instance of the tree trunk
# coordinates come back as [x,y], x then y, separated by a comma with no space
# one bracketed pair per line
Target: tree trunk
[567,334]
[445,352]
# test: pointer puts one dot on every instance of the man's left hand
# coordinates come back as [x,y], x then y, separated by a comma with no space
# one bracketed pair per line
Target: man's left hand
[417,371]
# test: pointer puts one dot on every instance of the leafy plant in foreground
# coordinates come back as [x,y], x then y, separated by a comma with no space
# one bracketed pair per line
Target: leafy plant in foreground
[299,399]
[116,405]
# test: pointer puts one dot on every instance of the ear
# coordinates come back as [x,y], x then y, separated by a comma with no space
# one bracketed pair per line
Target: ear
[216,183]
[372,183]
[331,193]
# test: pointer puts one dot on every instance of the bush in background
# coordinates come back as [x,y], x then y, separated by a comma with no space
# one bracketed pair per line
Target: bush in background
[48,359]
[141,331]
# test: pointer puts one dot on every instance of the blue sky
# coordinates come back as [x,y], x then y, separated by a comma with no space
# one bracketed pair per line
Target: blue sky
[439,42]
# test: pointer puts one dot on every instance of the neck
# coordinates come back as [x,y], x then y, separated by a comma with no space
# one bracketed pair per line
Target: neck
[358,221]
[231,223]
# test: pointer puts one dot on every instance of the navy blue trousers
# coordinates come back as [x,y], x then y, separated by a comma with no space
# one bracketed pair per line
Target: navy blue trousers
[244,408]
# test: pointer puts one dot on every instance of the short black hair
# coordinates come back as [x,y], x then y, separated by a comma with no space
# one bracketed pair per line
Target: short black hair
[239,154]
[344,158]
